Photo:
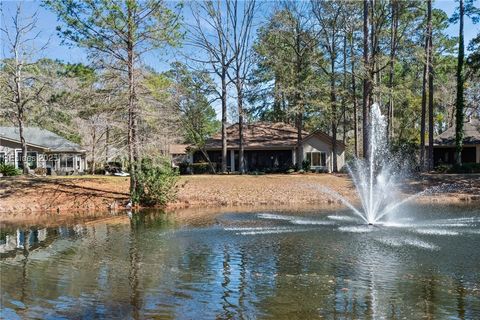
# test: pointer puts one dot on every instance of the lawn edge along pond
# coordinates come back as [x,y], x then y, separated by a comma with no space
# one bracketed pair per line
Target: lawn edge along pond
[20,196]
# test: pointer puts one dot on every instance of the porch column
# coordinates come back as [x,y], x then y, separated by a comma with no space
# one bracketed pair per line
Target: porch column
[331,162]
[478,153]
[232,160]
[294,156]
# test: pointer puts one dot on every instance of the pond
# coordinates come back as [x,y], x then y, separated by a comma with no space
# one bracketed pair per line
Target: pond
[271,264]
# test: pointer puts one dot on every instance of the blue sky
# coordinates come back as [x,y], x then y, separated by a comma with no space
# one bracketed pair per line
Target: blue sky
[48,22]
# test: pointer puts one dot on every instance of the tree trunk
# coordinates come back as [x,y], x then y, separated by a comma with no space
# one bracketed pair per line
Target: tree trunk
[299,122]
[132,112]
[241,162]
[459,102]
[333,101]
[205,154]
[224,119]
[20,111]
[373,56]
[354,97]
[107,143]
[277,102]
[424,106]
[425,83]
[94,138]
[23,143]
[298,97]
[430,88]
[344,95]
[367,83]
[393,47]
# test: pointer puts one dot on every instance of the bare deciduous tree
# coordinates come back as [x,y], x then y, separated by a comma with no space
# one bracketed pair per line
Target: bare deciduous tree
[242,23]
[21,86]
[211,33]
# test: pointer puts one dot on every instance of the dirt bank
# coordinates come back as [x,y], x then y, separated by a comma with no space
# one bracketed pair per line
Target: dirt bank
[26,195]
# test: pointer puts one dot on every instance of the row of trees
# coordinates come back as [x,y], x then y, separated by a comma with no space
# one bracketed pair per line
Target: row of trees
[309,57]
[317,64]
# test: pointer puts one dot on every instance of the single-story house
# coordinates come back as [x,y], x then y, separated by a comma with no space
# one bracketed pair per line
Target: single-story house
[444,144]
[273,146]
[45,149]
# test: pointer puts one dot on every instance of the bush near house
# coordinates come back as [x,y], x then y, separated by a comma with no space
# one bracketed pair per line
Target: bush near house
[194,168]
[9,170]
[306,165]
[465,168]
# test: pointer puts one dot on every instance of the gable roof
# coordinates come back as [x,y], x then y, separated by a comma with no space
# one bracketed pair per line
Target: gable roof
[325,137]
[263,135]
[41,138]
[178,148]
[471,134]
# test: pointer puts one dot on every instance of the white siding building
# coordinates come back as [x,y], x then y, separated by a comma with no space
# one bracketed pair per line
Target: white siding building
[45,149]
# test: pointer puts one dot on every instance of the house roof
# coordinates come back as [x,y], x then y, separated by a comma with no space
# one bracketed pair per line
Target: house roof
[41,138]
[178,148]
[471,134]
[262,135]
[325,137]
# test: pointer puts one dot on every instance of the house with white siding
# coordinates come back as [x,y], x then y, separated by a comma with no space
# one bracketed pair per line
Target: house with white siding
[45,149]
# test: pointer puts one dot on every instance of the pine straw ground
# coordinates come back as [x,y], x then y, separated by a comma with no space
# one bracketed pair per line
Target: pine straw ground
[103,193]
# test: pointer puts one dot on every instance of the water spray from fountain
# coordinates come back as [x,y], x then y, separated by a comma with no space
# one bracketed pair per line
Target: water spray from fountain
[376,177]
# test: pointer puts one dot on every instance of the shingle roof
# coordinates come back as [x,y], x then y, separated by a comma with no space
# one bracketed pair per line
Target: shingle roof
[41,137]
[259,135]
[471,134]
[178,148]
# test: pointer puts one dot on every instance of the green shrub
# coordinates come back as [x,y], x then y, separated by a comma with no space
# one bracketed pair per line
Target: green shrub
[9,170]
[291,170]
[465,168]
[200,167]
[306,165]
[442,168]
[184,168]
[156,183]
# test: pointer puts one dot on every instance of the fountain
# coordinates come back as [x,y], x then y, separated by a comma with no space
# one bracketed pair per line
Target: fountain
[376,177]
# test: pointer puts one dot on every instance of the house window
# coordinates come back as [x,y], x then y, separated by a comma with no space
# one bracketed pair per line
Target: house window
[31,159]
[2,157]
[66,161]
[317,159]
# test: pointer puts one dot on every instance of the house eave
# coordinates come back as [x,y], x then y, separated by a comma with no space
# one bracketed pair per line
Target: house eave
[28,143]
[45,149]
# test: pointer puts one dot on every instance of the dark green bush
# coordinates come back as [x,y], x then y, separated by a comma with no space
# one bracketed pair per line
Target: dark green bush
[465,168]
[200,168]
[9,170]
[156,183]
[442,168]
[184,168]
[306,165]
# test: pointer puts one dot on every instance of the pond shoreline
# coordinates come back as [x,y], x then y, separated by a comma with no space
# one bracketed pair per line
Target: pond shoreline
[21,197]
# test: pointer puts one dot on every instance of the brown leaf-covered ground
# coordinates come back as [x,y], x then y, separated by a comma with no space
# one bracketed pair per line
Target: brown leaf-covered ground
[65,195]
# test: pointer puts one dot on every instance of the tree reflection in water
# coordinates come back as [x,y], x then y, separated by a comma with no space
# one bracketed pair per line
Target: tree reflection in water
[150,265]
